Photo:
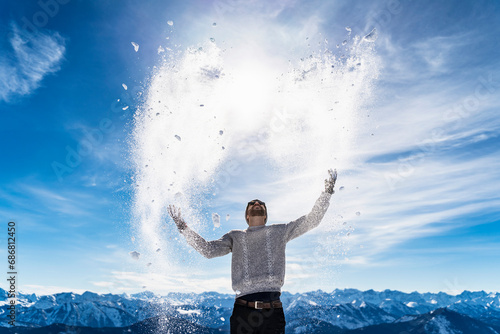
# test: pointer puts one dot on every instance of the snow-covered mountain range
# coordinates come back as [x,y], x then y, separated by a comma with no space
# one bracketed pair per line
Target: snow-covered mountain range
[341,311]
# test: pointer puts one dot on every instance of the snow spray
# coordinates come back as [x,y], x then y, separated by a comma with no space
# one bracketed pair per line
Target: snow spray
[218,120]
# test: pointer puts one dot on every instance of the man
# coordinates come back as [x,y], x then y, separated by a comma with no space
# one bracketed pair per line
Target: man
[258,262]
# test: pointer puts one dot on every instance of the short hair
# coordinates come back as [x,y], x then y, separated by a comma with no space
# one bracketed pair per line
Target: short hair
[246,212]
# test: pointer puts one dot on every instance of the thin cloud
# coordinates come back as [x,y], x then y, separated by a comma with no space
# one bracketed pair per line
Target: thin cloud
[130,282]
[35,202]
[424,203]
[44,290]
[31,58]
[427,58]
[60,202]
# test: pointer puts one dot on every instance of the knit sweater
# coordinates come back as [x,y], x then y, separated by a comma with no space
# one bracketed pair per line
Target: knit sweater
[258,262]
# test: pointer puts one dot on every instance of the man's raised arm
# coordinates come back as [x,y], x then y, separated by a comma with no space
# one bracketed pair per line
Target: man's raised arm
[305,223]
[208,249]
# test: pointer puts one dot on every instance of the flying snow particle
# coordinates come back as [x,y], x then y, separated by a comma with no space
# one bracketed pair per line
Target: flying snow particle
[170,23]
[135,255]
[341,188]
[348,29]
[358,213]
[178,137]
[160,49]
[227,217]
[216,219]
[148,264]
[212,39]
[125,108]
[214,24]
[136,46]
[221,132]
[132,238]
[159,249]
[124,86]
[222,319]
[372,36]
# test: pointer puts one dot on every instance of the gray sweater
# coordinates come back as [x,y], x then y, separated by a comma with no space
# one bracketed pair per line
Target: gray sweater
[258,263]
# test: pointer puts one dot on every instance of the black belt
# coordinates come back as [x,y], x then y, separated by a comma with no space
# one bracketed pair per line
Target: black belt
[258,305]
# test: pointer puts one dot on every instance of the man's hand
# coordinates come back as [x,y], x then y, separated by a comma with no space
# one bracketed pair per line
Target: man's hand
[330,183]
[176,216]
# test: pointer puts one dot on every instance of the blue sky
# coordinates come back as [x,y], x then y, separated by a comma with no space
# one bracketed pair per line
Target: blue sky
[412,130]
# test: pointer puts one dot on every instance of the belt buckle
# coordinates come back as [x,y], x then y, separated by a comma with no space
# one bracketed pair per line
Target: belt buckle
[256,305]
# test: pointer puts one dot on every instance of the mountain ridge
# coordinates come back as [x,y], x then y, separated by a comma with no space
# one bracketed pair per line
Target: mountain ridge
[342,310]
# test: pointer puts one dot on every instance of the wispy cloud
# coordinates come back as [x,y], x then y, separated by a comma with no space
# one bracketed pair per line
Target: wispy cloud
[31,58]
[36,204]
[192,281]
[43,290]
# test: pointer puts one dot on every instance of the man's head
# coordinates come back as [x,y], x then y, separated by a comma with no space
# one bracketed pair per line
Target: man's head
[255,208]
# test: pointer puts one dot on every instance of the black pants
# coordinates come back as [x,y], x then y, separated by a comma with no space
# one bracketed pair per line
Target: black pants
[246,320]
